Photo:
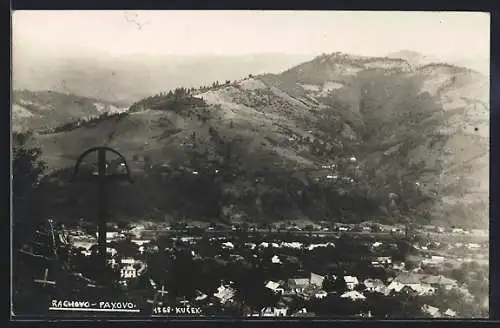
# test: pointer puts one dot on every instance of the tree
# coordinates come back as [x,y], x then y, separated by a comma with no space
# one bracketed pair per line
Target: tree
[328,285]
[27,169]
[340,285]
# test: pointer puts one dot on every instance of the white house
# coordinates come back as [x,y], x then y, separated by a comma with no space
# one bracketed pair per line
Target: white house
[141,242]
[111,251]
[450,313]
[128,272]
[298,285]
[316,280]
[274,312]
[473,246]
[275,259]
[431,310]
[374,285]
[398,265]
[321,294]
[110,235]
[354,295]
[351,282]
[384,259]
[251,245]
[424,289]
[437,259]
[128,261]
[228,245]
[275,287]
[224,294]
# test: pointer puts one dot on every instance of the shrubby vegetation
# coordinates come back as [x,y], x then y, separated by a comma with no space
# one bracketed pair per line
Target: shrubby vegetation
[87,122]
[177,101]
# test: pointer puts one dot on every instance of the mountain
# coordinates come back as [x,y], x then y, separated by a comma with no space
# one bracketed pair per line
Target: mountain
[339,137]
[46,110]
[413,58]
[128,78]
[479,63]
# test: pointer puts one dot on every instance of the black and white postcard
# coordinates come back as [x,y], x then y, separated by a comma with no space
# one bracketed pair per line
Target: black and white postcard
[250,164]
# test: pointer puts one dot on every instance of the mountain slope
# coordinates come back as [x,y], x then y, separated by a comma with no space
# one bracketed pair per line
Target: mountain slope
[45,110]
[342,137]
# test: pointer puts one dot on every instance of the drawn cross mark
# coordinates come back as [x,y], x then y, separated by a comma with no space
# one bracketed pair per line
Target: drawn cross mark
[44,281]
[163,292]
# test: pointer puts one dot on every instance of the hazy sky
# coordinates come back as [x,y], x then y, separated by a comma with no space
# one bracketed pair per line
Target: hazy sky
[243,32]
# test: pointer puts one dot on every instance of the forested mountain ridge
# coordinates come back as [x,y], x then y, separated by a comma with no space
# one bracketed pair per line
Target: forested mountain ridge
[339,137]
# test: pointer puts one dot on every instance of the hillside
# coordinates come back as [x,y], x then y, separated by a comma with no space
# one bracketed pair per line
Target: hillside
[46,110]
[340,137]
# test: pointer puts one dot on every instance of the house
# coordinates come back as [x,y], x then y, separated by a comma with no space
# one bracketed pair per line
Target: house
[316,280]
[351,282]
[313,246]
[128,272]
[458,230]
[450,313]
[321,294]
[376,244]
[141,242]
[437,259]
[228,245]
[473,246]
[86,252]
[274,312]
[224,294]
[440,281]
[404,279]
[250,245]
[264,244]
[110,235]
[343,228]
[374,285]
[424,289]
[407,290]
[440,229]
[128,261]
[398,265]
[275,287]
[275,259]
[354,295]
[384,260]
[431,310]
[295,245]
[298,285]
[309,292]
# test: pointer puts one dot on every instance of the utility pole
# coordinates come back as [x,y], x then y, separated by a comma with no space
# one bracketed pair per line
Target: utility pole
[102,182]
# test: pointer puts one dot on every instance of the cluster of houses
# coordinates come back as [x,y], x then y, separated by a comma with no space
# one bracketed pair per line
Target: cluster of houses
[306,288]
[356,291]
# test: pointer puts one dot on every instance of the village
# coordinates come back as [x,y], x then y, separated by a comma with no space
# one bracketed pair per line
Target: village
[363,270]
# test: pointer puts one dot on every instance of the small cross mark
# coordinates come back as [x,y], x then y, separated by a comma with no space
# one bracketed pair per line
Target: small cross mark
[44,282]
